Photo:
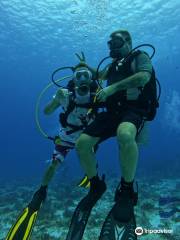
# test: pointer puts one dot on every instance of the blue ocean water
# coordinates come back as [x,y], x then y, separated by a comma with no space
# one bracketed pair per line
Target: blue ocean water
[36,37]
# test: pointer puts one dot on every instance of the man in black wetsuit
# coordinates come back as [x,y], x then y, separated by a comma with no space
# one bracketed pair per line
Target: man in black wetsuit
[127,106]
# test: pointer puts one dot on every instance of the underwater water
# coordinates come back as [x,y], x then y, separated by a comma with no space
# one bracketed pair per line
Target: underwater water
[36,37]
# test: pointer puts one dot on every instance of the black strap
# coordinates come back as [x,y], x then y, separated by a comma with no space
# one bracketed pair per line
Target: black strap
[141,127]
[84,105]
[74,128]
[70,106]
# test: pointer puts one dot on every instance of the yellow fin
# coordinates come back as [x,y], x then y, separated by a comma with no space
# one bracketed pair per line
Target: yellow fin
[83,181]
[16,226]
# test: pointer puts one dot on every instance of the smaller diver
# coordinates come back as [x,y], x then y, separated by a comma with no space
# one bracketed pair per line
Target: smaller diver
[77,100]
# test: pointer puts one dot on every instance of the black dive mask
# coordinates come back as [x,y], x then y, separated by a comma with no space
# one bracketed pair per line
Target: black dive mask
[115,45]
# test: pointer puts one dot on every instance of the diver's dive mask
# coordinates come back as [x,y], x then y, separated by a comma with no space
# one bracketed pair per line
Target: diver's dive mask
[115,45]
[82,79]
[82,75]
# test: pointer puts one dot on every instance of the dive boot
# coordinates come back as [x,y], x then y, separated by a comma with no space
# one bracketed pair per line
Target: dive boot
[125,200]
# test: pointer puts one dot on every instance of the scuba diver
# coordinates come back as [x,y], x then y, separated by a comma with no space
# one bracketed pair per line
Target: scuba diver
[76,100]
[131,100]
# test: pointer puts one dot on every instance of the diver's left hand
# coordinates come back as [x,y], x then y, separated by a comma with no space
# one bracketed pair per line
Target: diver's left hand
[104,93]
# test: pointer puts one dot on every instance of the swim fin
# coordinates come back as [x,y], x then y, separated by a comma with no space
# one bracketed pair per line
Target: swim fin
[83,209]
[120,224]
[84,182]
[23,227]
[113,230]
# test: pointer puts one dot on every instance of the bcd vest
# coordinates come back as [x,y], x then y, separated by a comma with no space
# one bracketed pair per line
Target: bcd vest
[146,101]
[72,104]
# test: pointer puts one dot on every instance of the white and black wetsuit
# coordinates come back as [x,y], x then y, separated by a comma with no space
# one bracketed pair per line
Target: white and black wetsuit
[75,118]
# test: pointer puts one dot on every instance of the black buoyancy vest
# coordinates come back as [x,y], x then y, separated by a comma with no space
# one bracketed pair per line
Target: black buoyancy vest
[147,99]
[72,104]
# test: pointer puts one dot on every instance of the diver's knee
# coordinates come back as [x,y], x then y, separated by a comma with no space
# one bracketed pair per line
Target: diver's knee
[84,143]
[125,135]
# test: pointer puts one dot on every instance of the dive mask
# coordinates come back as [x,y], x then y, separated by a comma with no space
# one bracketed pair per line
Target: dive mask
[82,77]
[115,45]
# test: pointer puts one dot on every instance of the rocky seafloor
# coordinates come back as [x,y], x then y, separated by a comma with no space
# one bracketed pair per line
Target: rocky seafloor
[157,209]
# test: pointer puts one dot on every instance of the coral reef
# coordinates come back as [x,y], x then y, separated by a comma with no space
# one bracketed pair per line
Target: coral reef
[54,216]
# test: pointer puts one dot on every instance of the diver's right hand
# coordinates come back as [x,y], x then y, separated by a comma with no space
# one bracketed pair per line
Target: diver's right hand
[104,93]
[62,93]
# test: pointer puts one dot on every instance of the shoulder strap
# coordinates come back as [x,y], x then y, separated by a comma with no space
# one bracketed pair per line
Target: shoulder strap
[133,55]
[70,85]
[70,106]
[93,86]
